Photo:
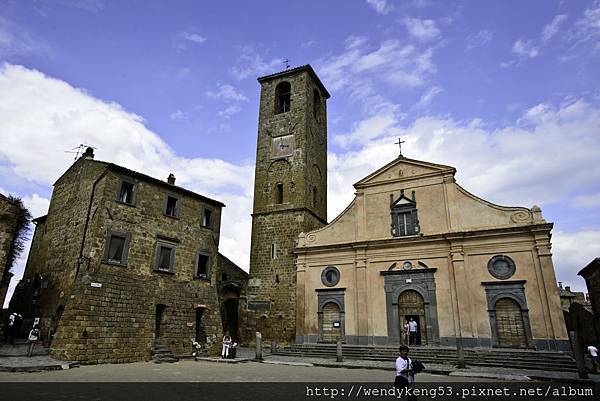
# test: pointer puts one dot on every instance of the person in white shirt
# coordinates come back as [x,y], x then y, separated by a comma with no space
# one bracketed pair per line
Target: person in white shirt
[405,376]
[594,353]
[412,332]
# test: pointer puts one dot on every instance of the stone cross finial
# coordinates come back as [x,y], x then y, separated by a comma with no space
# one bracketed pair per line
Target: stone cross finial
[399,143]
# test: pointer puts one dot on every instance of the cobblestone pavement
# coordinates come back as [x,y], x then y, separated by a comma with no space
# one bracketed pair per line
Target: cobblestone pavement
[273,368]
[204,371]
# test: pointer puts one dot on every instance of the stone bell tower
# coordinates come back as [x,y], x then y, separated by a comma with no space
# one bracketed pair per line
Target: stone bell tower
[290,194]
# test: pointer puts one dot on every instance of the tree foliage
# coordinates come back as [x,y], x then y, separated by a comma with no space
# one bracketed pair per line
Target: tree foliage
[21,224]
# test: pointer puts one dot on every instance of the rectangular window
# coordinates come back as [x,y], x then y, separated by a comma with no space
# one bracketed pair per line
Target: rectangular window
[172,206]
[224,277]
[126,192]
[273,251]
[116,248]
[165,257]
[207,218]
[202,266]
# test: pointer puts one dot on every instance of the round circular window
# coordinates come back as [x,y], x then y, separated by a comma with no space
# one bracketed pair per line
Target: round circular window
[330,276]
[501,267]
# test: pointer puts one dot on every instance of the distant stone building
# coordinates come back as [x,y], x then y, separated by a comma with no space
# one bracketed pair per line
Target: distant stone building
[591,275]
[124,262]
[568,298]
[233,289]
[415,245]
[9,211]
[290,194]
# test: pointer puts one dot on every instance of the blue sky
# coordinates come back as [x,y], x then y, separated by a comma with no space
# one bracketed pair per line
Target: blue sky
[506,91]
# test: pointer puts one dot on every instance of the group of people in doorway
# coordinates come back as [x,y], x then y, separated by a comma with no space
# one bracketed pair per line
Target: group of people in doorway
[13,328]
[411,330]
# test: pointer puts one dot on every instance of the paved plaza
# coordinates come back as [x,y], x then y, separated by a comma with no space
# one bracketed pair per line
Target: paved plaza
[205,371]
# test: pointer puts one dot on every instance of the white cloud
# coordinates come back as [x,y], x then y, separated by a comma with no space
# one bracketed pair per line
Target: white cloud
[36,204]
[381,6]
[187,37]
[553,27]
[17,41]
[250,63]
[524,48]
[40,117]
[226,92]
[479,39]
[230,110]
[587,28]
[572,252]
[392,62]
[308,44]
[423,30]
[511,165]
[178,115]
[368,129]
[587,201]
[428,96]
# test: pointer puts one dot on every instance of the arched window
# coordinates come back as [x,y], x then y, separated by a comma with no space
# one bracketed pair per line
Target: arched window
[316,104]
[279,193]
[283,94]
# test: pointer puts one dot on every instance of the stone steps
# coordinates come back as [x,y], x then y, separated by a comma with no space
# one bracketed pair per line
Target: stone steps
[161,354]
[518,359]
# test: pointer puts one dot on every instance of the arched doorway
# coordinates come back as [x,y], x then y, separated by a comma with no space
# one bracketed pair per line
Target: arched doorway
[412,306]
[331,328]
[230,301]
[509,324]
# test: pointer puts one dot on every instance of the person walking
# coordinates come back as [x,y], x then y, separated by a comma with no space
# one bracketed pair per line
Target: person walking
[32,339]
[406,334]
[594,353]
[405,376]
[412,331]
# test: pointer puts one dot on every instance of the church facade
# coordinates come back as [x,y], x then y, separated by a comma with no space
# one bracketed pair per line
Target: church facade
[414,244]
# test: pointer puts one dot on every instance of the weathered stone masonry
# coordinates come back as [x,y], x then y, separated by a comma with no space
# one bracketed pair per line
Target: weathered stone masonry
[290,195]
[104,311]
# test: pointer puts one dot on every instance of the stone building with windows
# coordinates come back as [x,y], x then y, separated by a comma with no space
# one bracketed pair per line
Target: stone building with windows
[415,244]
[124,262]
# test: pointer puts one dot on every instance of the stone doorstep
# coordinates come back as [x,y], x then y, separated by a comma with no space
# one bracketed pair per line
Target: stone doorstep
[443,370]
[40,368]
[221,360]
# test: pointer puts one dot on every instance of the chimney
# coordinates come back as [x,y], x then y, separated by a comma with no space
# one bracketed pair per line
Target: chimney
[89,153]
[560,285]
[171,179]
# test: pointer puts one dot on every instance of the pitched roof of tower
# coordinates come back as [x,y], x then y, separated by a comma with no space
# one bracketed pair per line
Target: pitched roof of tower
[306,67]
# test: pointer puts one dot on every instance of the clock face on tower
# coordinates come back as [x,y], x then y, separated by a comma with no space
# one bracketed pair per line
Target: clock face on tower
[282,146]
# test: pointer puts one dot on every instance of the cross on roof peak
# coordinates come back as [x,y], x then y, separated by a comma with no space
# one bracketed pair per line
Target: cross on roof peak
[399,143]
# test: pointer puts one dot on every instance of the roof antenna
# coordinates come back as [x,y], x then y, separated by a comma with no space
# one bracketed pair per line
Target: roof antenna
[287,64]
[79,150]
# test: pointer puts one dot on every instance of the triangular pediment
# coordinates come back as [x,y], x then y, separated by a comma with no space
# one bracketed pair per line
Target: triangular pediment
[403,168]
